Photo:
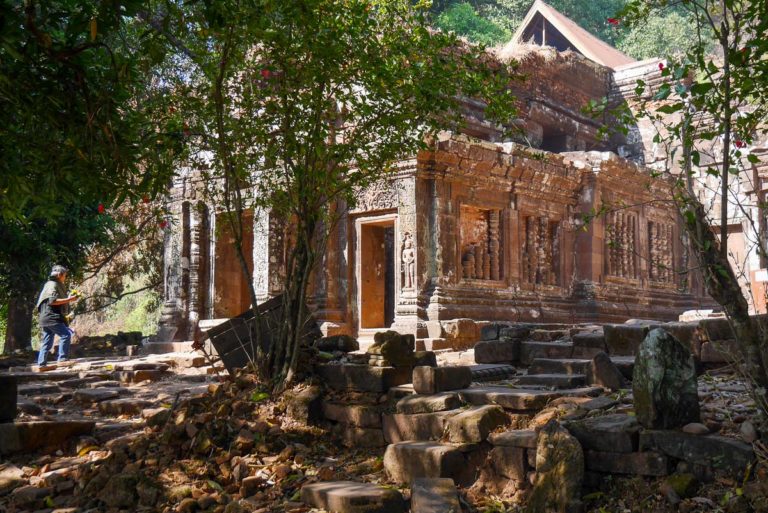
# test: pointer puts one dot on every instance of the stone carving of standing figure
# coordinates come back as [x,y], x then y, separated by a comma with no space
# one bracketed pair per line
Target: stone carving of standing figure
[409,262]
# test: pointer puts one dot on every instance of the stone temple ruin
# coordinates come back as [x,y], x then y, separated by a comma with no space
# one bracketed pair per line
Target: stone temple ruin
[476,227]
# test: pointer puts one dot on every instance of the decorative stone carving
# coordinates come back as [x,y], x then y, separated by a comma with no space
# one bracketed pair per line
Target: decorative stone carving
[381,195]
[621,242]
[660,249]
[481,245]
[541,251]
[408,267]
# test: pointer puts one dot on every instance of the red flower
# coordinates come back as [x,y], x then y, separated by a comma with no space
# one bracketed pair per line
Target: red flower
[661,66]
[265,73]
[162,224]
[101,208]
[612,21]
[739,143]
[186,129]
[744,50]
[145,199]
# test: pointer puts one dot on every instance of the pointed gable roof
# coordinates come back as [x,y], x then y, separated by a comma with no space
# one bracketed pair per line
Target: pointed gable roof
[568,34]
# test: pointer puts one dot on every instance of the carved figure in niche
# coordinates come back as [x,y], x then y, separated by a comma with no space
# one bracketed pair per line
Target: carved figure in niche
[481,243]
[468,262]
[409,262]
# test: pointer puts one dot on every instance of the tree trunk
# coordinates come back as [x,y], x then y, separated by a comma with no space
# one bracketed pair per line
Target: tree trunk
[18,334]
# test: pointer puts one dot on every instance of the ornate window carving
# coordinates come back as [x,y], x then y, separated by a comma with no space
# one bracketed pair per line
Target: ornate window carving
[660,252]
[621,244]
[480,244]
[541,251]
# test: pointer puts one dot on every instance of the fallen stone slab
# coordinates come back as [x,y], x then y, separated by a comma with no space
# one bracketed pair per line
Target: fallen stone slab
[431,380]
[552,380]
[497,351]
[609,433]
[421,426]
[647,463]
[589,340]
[137,376]
[126,406]
[414,403]
[519,399]
[718,452]
[352,497]
[530,350]
[406,461]
[603,372]
[30,436]
[524,438]
[599,403]
[11,477]
[492,372]
[509,462]
[38,389]
[94,395]
[79,382]
[363,378]
[360,415]
[475,424]
[559,471]
[436,495]
[137,366]
[156,416]
[28,495]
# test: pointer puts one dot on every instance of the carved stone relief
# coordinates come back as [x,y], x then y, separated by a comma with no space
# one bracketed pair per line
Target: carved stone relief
[480,244]
[661,258]
[541,251]
[621,244]
[408,265]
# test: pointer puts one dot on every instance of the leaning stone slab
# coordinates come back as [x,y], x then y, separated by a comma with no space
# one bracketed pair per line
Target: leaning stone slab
[523,438]
[437,495]
[519,399]
[613,433]
[664,383]
[475,424]
[352,497]
[647,463]
[559,470]
[422,426]
[718,452]
[30,436]
[406,461]
[603,372]
[363,378]
[415,403]
[360,415]
[431,380]
[497,351]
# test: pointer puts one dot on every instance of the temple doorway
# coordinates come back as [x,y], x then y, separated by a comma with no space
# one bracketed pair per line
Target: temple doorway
[230,286]
[376,273]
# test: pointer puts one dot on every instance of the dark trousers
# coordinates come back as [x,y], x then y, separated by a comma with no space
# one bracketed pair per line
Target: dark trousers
[65,335]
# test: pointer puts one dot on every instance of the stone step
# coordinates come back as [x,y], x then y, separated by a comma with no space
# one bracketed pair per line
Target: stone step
[38,389]
[531,350]
[174,347]
[626,365]
[26,376]
[352,497]
[406,461]
[520,399]
[552,380]
[30,436]
[492,372]
[401,427]
[567,366]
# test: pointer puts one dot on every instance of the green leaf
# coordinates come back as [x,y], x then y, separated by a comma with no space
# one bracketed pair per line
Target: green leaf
[258,397]
[753,159]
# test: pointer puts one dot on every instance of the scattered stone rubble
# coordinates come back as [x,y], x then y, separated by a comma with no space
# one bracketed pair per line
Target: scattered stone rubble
[387,430]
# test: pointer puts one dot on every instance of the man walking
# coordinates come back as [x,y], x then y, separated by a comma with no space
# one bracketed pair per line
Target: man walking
[53,306]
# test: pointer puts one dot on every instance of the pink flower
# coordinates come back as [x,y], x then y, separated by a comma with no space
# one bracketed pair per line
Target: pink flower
[612,21]
[739,143]
[265,73]
[661,66]
[101,208]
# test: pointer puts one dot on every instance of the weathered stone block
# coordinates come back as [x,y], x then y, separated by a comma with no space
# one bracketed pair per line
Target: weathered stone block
[636,463]
[497,351]
[623,339]
[519,399]
[688,335]
[588,339]
[353,436]
[559,470]
[530,350]
[609,433]
[460,330]
[509,462]
[363,378]
[352,497]
[30,436]
[524,438]
[559,366]
[360,415]
[406,461]
[603,372]
[475,424]
[552,380]
[437,495]
[88,396]
[716,329]
[490,331]
[415,403]
[421,426]
[664,383]
[394,347]
[431,380]
[343,343]
[305,405]
[424,358]
[719,351]
[127,406]
[514,332]
[718,452]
